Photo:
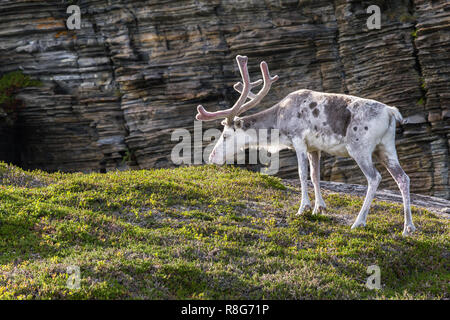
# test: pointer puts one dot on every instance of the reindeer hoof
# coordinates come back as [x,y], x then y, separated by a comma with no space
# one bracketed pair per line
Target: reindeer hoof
[358,224]
[319,209]
[408,230]
[304,209]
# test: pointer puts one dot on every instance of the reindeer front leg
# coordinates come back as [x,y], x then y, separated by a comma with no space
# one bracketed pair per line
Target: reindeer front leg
[364,161]
[314,165]
[300,149]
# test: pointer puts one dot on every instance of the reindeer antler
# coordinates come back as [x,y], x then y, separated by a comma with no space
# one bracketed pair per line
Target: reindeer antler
[230,113]
[244,88]
[268,80]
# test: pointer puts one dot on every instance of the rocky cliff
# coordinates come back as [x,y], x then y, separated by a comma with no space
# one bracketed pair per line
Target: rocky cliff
[114,90]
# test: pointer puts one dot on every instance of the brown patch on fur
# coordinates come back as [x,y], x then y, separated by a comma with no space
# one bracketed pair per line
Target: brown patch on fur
[312,105]
[316,113]
[338,117]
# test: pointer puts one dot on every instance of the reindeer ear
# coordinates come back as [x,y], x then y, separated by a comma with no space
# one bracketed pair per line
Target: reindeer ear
[238,123]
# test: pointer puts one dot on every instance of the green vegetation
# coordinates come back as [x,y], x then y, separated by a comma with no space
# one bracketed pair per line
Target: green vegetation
[128,156]
[205,233]
[423,84]
[10,84]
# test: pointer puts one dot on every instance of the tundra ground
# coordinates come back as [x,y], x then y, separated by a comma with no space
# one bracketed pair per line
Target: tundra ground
[206,232]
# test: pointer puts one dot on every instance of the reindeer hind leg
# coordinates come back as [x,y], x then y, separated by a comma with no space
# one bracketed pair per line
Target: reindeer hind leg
[387,154]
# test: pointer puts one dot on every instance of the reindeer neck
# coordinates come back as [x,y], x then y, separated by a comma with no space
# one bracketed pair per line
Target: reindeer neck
[266,119]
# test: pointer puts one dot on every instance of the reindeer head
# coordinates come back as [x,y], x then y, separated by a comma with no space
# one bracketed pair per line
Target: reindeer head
[234,137]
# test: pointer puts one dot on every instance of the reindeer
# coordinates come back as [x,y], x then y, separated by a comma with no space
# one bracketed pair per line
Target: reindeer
[311,122]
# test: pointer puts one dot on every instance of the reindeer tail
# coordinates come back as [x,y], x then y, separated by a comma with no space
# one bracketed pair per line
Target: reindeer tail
[393,111]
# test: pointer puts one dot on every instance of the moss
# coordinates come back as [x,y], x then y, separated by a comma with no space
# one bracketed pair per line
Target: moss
[10,84]
[205,232]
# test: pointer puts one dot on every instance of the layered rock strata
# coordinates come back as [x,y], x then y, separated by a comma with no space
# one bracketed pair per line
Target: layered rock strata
[116,89]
